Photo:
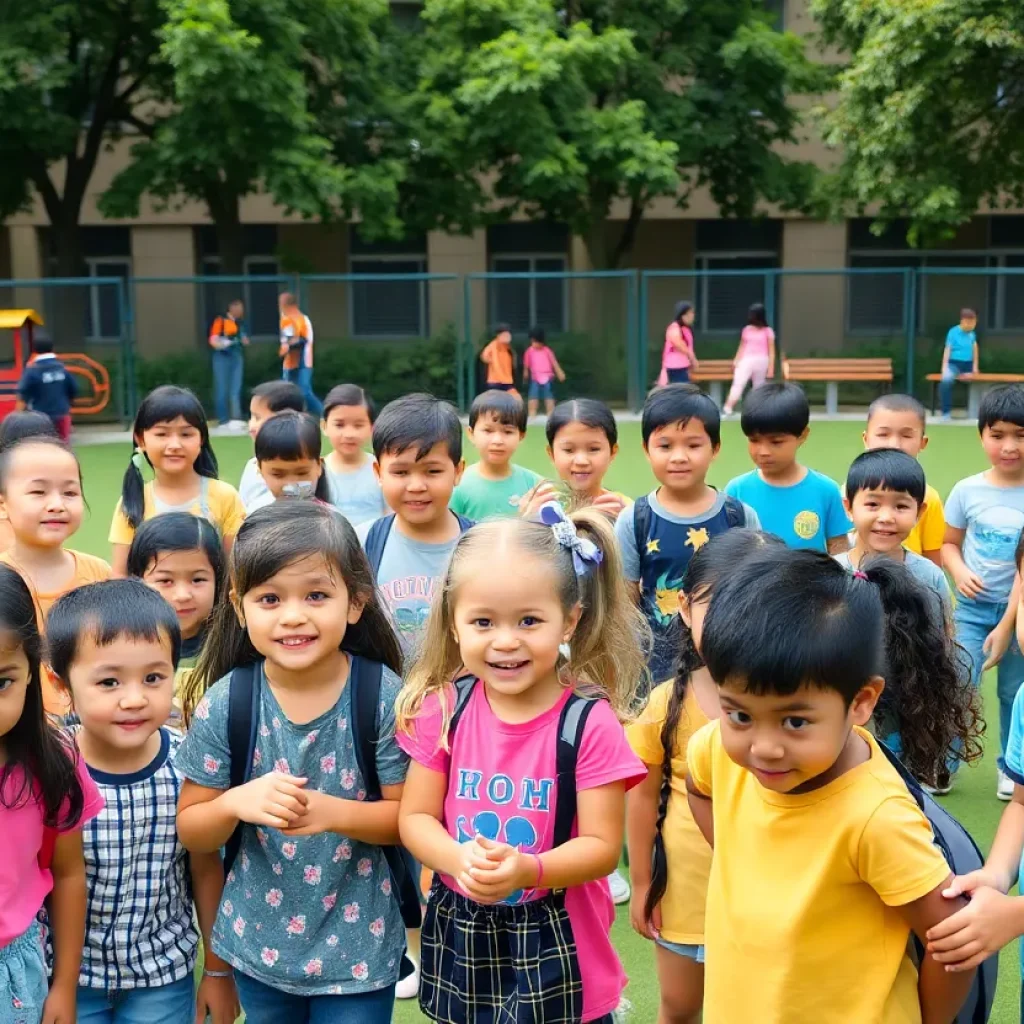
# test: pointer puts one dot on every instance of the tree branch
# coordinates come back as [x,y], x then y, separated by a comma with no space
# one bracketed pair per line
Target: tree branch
[44,186]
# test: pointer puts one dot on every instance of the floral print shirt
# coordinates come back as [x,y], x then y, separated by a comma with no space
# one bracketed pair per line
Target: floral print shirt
[309,915]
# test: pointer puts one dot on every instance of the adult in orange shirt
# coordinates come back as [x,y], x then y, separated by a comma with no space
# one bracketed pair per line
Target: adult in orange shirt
[297,350]
[227,336]
[500,360]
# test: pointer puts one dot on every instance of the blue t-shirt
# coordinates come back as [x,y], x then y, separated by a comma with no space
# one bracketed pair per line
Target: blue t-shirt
[992,518]
[804,515]
[356,495]
[961,344]
[1015,759]
[47,387]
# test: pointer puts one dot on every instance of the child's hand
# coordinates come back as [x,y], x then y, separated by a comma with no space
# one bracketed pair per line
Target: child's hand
[637,918]
[996,644]
[610,504]
[496,870]
[275,800]
[320,815]
[990,921]
[541,494]
[60,1006]
[967,583]
[561,376]
[217,1001]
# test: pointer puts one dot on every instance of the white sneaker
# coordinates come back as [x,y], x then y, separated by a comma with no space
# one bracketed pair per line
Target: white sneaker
[940,789]
[619,888]
[409,988]
[236,425]
[1004,786]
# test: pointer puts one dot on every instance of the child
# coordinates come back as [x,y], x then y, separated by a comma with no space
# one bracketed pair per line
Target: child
[799,505]
[659,534]
[46,796]
[114,647]
[308,916]
[898,421]
[348,424]
[267,400]
[41,498]
[500,360]
[754,361]
[296,350]
[823,863]
[495,485]
[678,357]
[539,368]
[47,387]
[14,427]
[669,861]
[483,809]
[959,357]
[984,517]
[288,457]
[180,557]
[171,433]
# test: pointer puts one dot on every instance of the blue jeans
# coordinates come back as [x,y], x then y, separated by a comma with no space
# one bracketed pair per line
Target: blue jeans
[954,368]
[168,1004]
[227,384]
[679,375]
[974,620]
[538,391]
[303,376]
[265,1005]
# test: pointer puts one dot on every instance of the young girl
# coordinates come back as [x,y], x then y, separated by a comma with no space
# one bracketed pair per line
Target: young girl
[180,557]
[755,358]
[678,357]
[521,839]
[348,424]
[288,458]
[171,433]
[669,861]
[41,499]
[308,916]
[46,796]
[14,427]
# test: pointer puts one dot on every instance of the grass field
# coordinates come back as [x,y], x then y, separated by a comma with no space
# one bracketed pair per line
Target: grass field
[954,453]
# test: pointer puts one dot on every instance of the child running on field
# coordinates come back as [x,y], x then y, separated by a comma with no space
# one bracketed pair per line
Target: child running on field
[308,917]
[522,829]
[266,400]
[348,423]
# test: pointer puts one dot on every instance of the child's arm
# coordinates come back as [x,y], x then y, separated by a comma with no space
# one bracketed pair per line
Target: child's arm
[559,372]
[641,828]
[945,357]
[67,922]
[373,821]
[419,821]
[975,367]
[216,998]
[701,809]
[838,545]
[119,560]
[771,358]
[967,582]
[997,643]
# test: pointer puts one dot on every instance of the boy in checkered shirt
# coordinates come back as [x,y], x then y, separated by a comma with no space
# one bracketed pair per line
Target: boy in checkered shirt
[114,646]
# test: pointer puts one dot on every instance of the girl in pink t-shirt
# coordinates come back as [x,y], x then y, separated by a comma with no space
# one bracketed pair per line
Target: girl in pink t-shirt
[755,358]
[540,367]
[678,357]
[516,791]
[46,796]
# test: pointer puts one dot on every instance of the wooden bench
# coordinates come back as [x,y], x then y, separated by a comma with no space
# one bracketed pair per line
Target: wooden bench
[714,372]
[836,371]
[977,385]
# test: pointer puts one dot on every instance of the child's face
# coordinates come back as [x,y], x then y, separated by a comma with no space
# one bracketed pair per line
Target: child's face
[185,579]
[790,743]
[689,317]
[1003,443]
[301,474]
[883,519]
[536,343]
[681,454]
[774,453]
[348,429]
[172,446]
[259,413]
[505,337]
[582,455]
[42,496]
[14,683]
[495,441]
[968,323]
[418,489]
[236,309]
[893,429]
[298,617]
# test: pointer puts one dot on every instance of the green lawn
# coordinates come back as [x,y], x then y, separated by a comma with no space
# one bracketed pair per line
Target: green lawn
[954,453]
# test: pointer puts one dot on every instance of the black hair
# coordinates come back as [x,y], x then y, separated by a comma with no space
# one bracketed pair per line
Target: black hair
[898,403]
[588,411]
[417,421]
[1004,404]
[682,308]
[505,407]
[291,436]
[39,761]
[757,316]
[42,343]
[501,328]
[885,469]
[349,394]
[105,612]
[271,539]
[162,405]
[279,395]
[968,314]
[177,531]
[537,334]
[680,403]
[842,629]
[16,426]
[777,407]
[8,452]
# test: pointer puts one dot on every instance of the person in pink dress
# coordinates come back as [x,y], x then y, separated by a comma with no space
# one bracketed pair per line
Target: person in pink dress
[540,367]
[755,358]
[678,357]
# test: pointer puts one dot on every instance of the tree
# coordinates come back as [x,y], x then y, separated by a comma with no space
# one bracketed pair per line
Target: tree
[930,110]
[559,109]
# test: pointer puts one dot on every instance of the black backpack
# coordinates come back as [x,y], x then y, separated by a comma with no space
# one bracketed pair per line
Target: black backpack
[735,515]
[377,538]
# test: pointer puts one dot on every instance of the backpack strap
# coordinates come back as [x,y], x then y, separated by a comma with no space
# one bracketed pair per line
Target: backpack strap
[376,539]
[463,691]
[571,725]
[735,513]
[243,721]
[641,523]
[464,523]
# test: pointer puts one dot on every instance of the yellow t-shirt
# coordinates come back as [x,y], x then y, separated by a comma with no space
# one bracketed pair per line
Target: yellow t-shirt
[928,533]
[802,922]
[686,850]
[217,501]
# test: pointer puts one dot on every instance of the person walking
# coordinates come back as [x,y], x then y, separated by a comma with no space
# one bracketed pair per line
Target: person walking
[678,357]
[228,336]
[297,351]
[755,358]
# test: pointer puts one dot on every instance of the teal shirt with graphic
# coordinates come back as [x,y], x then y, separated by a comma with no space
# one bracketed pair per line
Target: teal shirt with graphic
[478,498]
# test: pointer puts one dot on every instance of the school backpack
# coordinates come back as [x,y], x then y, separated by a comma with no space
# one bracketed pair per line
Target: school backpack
[735,515]
[377,538]
[962,855]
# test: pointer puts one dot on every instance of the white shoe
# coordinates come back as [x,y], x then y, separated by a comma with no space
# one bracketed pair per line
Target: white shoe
[1004,786]
[939,790]
[409,988]
[236,425]
[619,888]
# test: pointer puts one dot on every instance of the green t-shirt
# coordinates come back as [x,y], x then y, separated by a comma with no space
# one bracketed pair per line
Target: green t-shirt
[477,498]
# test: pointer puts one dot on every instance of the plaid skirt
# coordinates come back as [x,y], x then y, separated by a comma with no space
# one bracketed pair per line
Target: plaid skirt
[500,964]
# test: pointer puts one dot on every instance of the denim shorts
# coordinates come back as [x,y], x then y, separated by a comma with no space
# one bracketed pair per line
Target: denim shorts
[23,981]
[169,1004]
[695,953]
[540,390]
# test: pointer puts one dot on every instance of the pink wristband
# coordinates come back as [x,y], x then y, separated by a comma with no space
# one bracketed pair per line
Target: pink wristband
[540,870]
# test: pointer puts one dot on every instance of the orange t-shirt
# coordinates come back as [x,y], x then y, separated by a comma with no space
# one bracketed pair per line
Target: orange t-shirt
[498,358]
[294,326]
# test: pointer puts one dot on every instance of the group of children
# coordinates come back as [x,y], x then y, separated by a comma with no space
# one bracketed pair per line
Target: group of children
[280,707]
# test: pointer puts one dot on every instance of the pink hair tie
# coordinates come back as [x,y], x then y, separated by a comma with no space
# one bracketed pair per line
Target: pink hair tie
[859,574]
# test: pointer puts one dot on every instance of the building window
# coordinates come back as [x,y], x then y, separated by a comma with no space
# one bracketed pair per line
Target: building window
[527,302]
[724,298]
[260,297]
[103,319]
[874,302]
[395,309]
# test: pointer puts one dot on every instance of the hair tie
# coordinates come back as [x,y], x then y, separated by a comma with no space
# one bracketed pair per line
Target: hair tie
[138,459]
[586,555]
[859,574]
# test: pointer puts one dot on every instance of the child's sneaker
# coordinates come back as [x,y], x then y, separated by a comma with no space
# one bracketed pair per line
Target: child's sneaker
[1004,786]
[619,888]
[409,986]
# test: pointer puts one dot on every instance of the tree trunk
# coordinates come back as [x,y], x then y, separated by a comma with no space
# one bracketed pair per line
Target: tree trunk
[224,212]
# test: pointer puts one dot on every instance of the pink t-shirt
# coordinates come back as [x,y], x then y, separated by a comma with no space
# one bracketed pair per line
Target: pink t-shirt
[754,341]
[671,357]
[24,884]
[503,786]
[540,362]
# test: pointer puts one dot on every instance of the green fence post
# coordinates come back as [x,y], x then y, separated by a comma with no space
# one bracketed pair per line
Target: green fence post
[770,278]
[129,389]
[910,311]
[465,360]
[642,326]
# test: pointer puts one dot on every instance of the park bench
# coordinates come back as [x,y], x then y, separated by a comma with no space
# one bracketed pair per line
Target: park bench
[835,372]
[977,385]
[714,373]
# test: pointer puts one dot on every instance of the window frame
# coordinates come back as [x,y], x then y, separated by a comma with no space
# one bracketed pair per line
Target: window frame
[531,257]
[354,260]
[95,319]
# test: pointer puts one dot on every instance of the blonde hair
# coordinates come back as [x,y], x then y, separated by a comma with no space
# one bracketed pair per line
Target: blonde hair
[607,650]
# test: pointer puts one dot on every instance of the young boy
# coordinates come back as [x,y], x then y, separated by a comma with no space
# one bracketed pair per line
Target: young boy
[799,505]
[959,357]
[500,360]
[47,387]
[115,647]
[984,518]
[658,534]
[539,367]
[495,485]
[898,421]
[265,401]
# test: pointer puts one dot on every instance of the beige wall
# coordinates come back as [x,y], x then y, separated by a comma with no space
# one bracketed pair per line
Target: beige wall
[25,260]
[813,307]
[166,315]
[456,254]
